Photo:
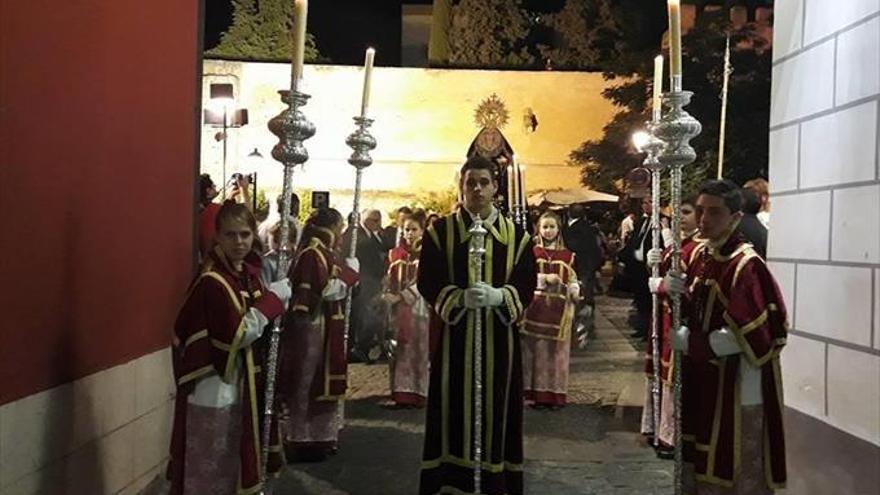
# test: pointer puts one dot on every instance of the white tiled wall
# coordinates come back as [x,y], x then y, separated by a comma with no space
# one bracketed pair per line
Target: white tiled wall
[835,302]
[787,35]
[839,148]
[858,62]
[853,379]
[803,85]
[856,217]
[825,225]
[824,17]
[809,243]
[805,391]
[877,309]
[106,433]
[784,146]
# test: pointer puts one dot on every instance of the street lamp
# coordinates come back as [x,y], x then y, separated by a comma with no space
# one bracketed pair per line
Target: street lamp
[222,113]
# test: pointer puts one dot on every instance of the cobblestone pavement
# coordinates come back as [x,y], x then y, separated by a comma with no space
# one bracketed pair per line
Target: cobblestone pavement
[582,449]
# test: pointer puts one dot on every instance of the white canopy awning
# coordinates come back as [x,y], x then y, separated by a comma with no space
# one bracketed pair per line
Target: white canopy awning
[571,196]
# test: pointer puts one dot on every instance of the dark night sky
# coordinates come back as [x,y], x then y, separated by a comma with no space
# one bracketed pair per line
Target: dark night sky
[343,28]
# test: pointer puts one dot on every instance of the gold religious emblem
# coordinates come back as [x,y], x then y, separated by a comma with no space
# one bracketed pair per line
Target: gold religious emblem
[491,113]
[489,142]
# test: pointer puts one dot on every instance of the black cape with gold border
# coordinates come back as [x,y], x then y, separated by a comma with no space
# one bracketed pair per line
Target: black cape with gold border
[447,465]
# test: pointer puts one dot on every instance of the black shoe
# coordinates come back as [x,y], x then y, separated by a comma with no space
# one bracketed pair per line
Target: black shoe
[308,454]
[664,452]
[356,356]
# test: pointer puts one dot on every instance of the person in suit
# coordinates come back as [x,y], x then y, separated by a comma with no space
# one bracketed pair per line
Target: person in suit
[583,239]
[393,234]
[633,257]
[371,252]
[750,226]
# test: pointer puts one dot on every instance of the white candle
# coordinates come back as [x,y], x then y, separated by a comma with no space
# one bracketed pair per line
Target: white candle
[522,185]
[514,198]
[658,87]
[675,43]
[510,198]
[368,76]
[300,15]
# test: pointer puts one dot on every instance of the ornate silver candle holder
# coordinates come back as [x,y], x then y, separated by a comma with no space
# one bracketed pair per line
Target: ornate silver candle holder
[676,129]
[361,142]
[292,128]
[476,253]
[652,147]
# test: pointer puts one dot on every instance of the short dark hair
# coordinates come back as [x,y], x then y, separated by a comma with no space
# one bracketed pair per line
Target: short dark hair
[205,183]
[406,210]
[478,162]
[751,202]
[727,191]
[294,204]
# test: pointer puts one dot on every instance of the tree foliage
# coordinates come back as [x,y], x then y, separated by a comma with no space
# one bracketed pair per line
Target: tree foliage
[261,30]
[440,202]
[606,161]
[585,34]
[489,33]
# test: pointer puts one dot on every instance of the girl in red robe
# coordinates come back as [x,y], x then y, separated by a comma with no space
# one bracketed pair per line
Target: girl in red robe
[314,365]
[217,356]
[547,327]
[666,429]
[409,366]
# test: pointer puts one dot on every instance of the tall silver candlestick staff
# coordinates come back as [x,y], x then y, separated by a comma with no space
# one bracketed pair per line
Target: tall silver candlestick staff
[476,252]
[676,129]
[652,147]
[292,128]
[361,142]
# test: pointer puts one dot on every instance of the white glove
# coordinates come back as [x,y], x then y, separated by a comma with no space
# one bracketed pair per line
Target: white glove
[654,284]
[680,339]
[723,343]
[353,263]
[574,290]
[674,282]
[654,257]
[282,289]
[542,281]
[482,295]
[336,290]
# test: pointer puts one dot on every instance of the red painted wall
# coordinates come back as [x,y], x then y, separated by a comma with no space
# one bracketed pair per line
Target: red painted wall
[98,152]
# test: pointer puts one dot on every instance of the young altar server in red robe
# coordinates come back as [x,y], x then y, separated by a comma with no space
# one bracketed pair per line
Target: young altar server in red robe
[547,327]
[217,354]
[499,299]
[689,232]
[409,365]
[314,365]
[735,329]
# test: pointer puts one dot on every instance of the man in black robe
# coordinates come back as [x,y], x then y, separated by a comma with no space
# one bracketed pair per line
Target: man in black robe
[750,226]
[499,299]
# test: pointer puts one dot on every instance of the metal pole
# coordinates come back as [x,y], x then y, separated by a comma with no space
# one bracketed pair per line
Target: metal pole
[655,300]
[476,252]
[224,150]
[254,199]
[352,250]
[724,88]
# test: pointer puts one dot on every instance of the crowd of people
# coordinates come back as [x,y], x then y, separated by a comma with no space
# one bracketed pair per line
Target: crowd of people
[415,300]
